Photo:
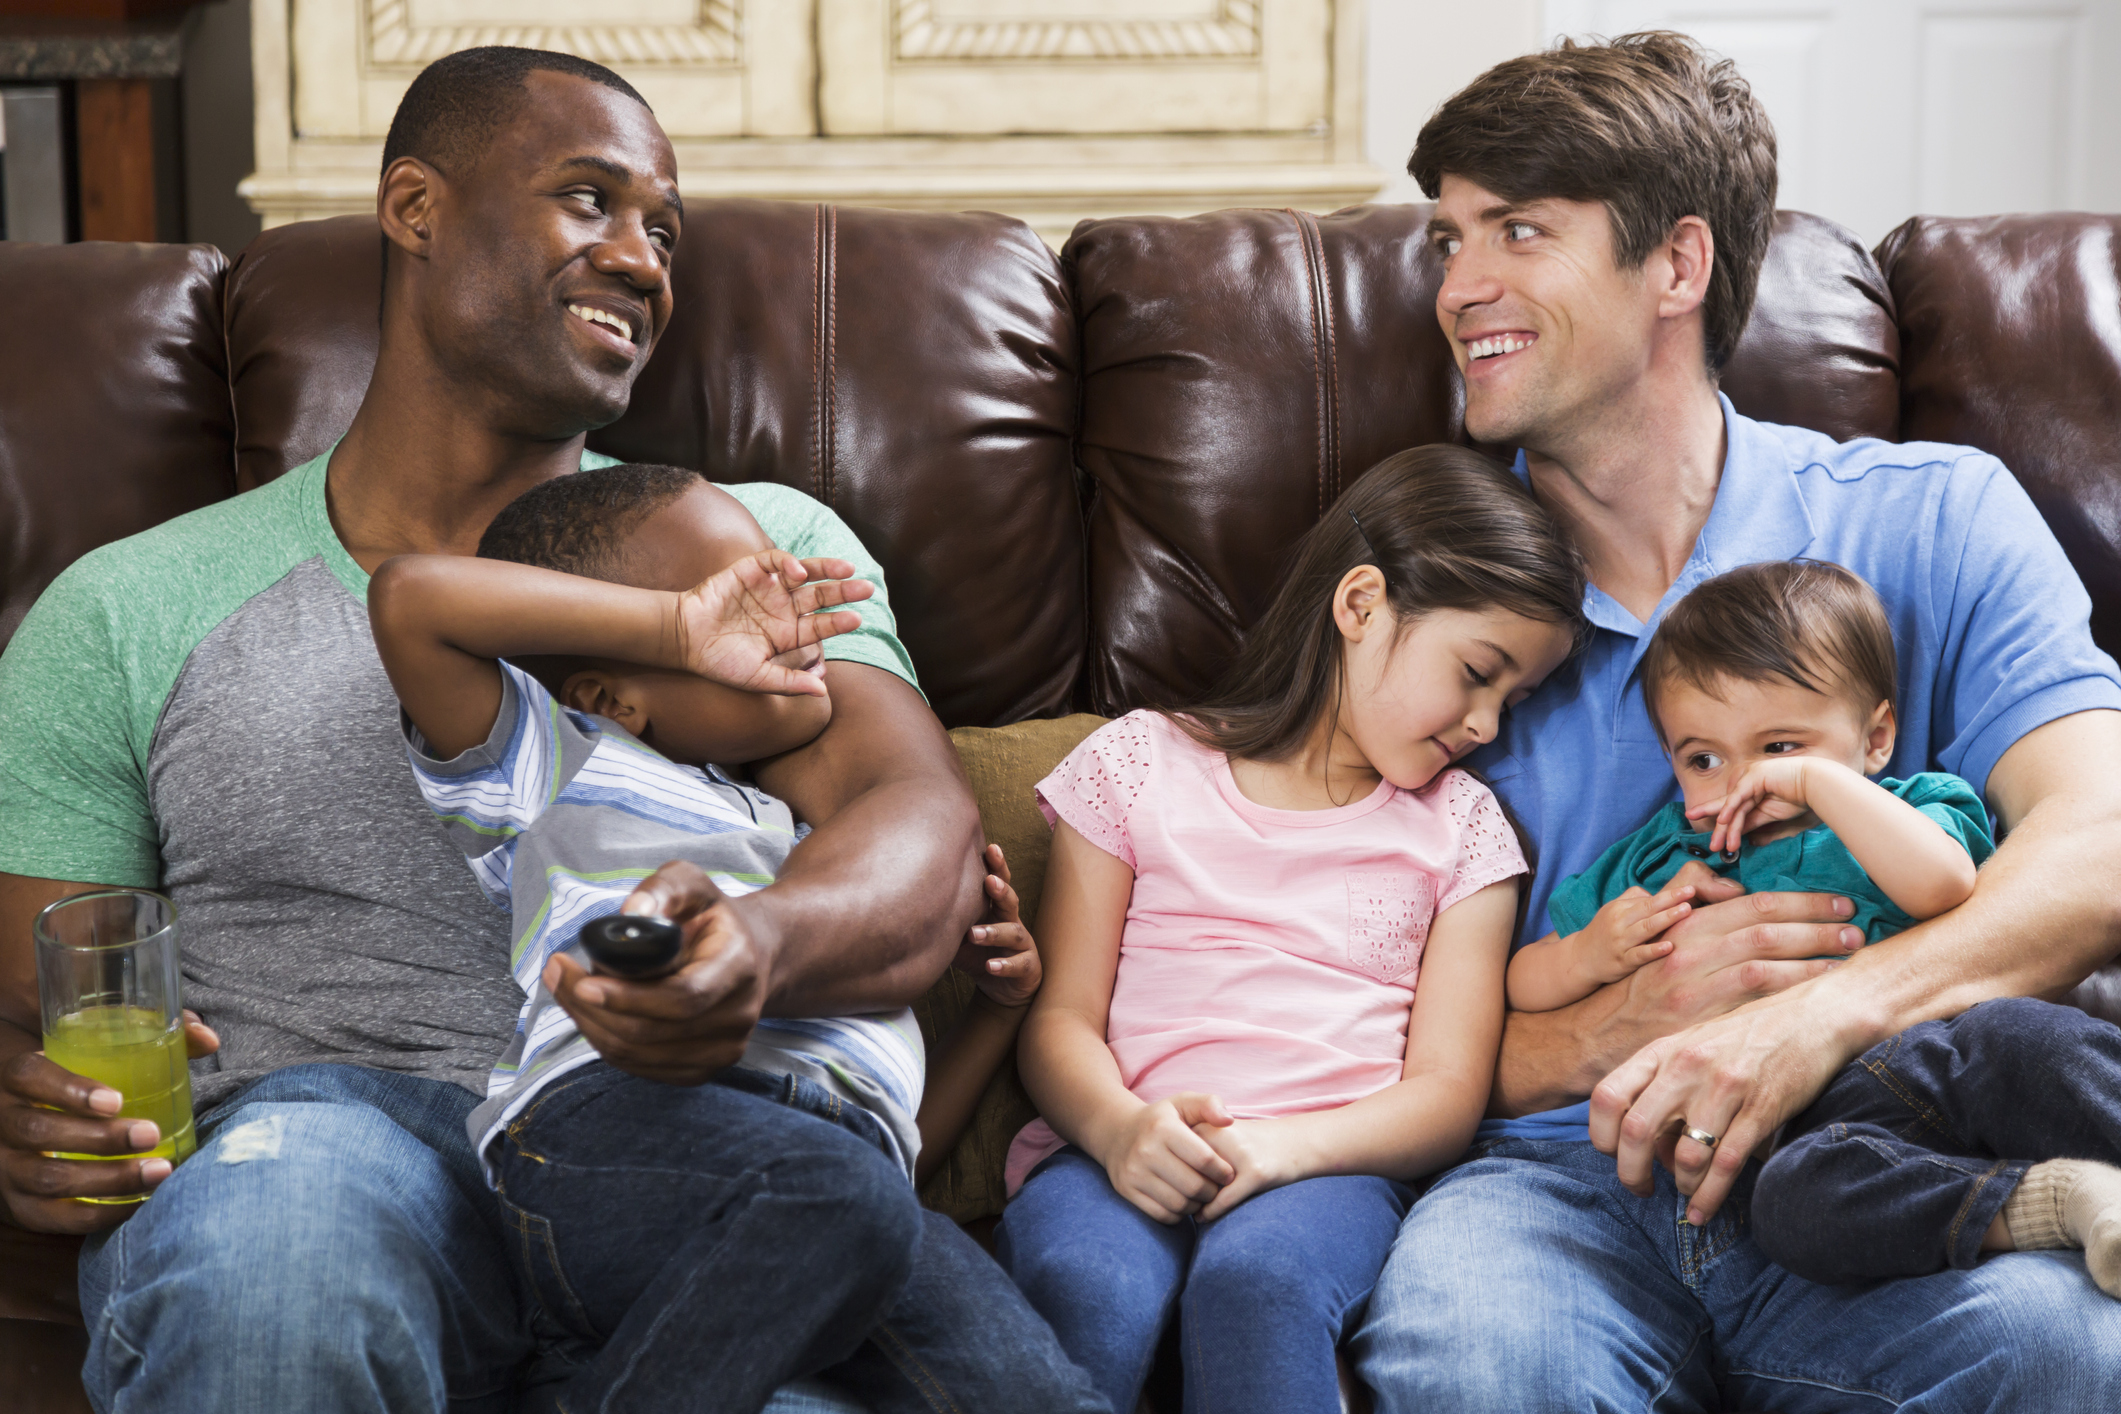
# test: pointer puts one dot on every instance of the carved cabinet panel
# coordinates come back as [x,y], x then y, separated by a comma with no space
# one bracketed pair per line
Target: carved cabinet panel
[1074,66]
[1052,110]
[710,68]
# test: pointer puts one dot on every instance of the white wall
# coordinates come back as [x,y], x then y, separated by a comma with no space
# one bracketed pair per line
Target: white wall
[1884,108]
[1421,52]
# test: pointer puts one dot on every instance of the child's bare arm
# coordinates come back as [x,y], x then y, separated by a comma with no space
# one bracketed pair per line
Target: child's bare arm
[1623,935]
[1002,954]
[1150,1152]
[1908,855]
[440,621]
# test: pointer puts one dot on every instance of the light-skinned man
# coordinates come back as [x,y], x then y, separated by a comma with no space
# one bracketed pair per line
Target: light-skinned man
[200,709]
[1602,213]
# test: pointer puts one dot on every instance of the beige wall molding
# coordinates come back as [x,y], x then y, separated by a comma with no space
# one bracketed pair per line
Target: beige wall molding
[1052,110]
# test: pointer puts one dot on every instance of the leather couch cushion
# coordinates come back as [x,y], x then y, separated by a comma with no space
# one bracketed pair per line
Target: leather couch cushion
[116,412]
[303,305]
[916,372]
[1821,349]
[1004,764]
[2011,328]
[1241,368]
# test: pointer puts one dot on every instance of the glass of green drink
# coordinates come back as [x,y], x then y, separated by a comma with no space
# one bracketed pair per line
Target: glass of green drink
[108,981]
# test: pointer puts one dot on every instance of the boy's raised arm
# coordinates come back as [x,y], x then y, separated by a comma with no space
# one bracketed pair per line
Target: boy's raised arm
[441,620]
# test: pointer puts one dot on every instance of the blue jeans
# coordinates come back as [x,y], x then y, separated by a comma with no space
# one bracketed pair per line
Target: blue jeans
[1264,1294]
[1902,1163]
[733,1236]
[332,1246]
[1527,1278]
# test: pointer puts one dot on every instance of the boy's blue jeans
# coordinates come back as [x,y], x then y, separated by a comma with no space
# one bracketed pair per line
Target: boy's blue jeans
[1263,1294]
[1900,1166]
[333,1246]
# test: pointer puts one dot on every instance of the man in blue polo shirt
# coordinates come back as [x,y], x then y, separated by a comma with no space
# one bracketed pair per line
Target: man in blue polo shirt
[1602,213]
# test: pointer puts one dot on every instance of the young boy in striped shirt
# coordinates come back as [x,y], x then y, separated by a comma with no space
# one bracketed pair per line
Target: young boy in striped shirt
[566,700]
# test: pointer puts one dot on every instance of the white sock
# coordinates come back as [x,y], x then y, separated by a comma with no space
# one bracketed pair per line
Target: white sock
[2071,1203]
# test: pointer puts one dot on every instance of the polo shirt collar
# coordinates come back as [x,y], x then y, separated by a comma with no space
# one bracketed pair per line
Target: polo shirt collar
[1759,514]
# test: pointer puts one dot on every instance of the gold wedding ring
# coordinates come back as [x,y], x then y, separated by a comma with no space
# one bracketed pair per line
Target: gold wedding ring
[1701,1136]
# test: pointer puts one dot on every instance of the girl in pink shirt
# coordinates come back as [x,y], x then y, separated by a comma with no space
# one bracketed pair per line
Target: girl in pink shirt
[1275,930]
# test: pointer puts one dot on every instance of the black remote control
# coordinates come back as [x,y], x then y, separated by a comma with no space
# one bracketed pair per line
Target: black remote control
[632,944]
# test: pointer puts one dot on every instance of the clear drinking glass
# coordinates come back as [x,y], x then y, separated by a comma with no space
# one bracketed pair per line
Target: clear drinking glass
[108,981]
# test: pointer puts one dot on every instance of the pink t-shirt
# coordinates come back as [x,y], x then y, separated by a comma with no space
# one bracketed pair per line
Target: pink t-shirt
[1268,956]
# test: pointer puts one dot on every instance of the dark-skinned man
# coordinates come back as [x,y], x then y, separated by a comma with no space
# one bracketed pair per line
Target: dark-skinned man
[199,709]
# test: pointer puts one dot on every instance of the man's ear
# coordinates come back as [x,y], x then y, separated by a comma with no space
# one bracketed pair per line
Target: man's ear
[602,692]
[1690,254]
[1878,739]
[405,204]
[1359,596]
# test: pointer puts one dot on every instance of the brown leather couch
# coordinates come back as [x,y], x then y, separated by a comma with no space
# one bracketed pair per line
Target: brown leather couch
[1078,471]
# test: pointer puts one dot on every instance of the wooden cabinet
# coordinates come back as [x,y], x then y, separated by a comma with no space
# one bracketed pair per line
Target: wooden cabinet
[1049,109]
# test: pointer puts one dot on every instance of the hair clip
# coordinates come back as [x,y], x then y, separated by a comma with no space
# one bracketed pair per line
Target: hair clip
[1375,558]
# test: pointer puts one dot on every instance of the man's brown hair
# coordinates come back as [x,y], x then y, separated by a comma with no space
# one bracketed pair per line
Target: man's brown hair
[1802,621]
[1648,124]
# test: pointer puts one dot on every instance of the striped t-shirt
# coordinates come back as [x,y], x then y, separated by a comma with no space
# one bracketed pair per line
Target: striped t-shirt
[561,815]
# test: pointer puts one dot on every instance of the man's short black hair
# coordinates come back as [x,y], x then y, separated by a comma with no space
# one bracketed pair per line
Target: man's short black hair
[461,100]
[579,524]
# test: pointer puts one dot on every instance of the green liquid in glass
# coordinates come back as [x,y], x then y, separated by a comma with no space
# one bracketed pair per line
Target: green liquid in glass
[131,1050]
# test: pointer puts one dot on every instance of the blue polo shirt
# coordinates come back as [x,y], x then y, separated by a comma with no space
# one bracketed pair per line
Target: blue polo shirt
[1990,622]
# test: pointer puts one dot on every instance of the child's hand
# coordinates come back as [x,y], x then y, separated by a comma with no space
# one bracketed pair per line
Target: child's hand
[1769,790]
[1255,1149]
[755,625]
[1161,1164]
[1626,933]
[999,949]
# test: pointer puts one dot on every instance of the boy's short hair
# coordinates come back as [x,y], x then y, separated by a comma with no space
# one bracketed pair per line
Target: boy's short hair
[1801,621]
[578,524]
[1648,124]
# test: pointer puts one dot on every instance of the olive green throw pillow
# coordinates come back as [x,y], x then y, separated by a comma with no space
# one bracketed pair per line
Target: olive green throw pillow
[1004,764]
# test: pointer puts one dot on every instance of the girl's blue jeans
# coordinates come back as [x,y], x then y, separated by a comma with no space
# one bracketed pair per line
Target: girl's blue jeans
[1263,1295]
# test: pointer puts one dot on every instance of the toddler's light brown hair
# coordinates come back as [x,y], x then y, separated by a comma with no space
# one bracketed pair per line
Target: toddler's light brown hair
[1803,621]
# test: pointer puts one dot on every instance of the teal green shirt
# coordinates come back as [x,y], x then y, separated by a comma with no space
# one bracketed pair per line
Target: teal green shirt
[1812,862]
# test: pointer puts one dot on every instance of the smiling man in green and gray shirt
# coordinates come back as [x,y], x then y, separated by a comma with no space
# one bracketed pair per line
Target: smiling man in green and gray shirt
[200,708]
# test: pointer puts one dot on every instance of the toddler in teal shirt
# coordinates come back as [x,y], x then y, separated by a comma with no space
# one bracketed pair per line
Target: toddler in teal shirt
[1772,689]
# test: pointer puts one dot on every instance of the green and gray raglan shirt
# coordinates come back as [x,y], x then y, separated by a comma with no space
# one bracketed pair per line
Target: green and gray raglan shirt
[199,708]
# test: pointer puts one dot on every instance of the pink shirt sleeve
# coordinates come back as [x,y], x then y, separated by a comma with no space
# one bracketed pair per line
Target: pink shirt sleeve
[1095,788]
[1487,846]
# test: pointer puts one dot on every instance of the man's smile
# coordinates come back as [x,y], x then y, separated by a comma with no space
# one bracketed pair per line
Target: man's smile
[1489,348]
[612,322]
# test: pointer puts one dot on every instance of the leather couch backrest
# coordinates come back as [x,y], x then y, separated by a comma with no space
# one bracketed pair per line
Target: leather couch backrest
[1241,368]
[2012,343]
[915,372]
[114,411]
[1821,349]
[303,306]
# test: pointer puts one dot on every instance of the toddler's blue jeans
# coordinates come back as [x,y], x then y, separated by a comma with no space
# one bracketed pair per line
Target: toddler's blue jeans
[1900,1166]
[1263,1295]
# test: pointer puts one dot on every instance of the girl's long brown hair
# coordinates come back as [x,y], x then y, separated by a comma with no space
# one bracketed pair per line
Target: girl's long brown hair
[1448,527]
